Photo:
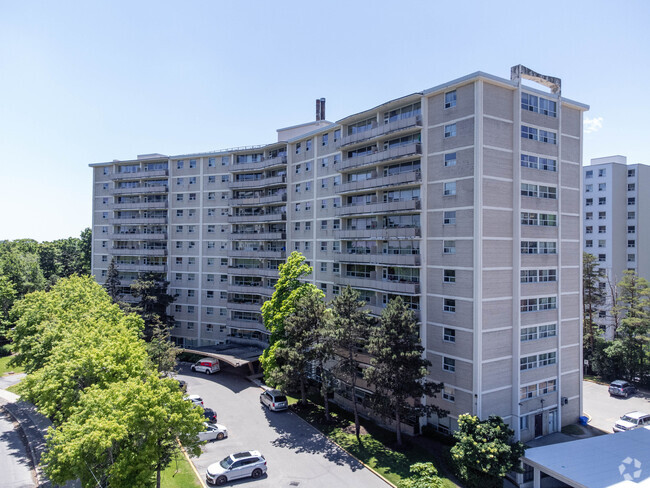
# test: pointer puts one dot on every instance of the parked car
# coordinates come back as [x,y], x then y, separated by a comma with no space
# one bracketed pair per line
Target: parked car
[632,420]
[621,388]
[213,432]
[238,465]
[210,414]
[206,365]
[274,400]
[195,399]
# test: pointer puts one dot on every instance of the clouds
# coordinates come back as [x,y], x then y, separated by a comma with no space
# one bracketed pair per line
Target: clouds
[593,125]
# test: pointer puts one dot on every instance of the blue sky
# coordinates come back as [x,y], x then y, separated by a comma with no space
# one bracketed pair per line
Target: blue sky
[91,81]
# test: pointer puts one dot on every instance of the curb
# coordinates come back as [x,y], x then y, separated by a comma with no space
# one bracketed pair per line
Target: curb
[344,450]
[32,453]
[196,473]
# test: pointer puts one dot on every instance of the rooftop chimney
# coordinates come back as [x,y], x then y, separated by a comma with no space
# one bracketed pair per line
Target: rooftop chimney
[317,109]
[320,109]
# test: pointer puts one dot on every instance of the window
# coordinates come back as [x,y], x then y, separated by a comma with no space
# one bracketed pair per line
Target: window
[526,392]
[192,163]
[449,276]
[449,247]
[589,174]
[631,244]
[602,229]
[589,202]
[589,188]
[324,139]
[523,425]
[211,195]
[323,224]
[308,186]
[449,188]
[450,159]
[528,334]
[179,164]
[336,246]
[589,229]
[449,365]
[212,162]
[546,164]
[602,215]
[528,362]
[449,393]
[297,169]
[548,303]
[224,178]
[631,229]
[602,186]
[631,215]
[631,258]
[549,330]
[323,267]
[602,258]
[323,246]
[589,216]
[298,148]
[307,246]
[602,172]
[547,359]
[297,207]
[450,99]
[296,226]
[449,217]
[323,183]
[449,305]
[540,135]
[337,134]
[336,268]
[589,243]
[448,335]
[631,173]
[297,188]
[450,130]
[631,201]
[543,106]
[308,145]
[308,167]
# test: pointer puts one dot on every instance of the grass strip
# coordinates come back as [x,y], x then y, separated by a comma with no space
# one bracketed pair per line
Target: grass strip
[5,368]
[179,474]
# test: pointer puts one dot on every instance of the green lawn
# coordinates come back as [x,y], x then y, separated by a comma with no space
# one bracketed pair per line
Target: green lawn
[179,474]
[374,451]
[5,368]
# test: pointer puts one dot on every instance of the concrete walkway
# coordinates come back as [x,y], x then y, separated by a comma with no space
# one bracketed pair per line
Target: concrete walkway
[34,427]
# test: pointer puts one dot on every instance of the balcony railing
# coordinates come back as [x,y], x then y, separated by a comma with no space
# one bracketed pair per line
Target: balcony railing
[380,156]
[245,341]
[138,175]
[139,190]
[381,182]
[241,271]
[268,217]
[138,252]
[142,268]
[258,183]
[384,207]
[138,220]
[257,236]
[245,307]
[382,285]
[265,163]
[244,253]
[380,233]
[138,205]
[258,200]
[266,291]
[397,125]
[138,237]
[380,258]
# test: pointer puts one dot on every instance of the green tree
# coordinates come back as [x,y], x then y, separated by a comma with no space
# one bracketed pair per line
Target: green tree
[19,262]
[351,325]
[85,251]
[113,285]
[485,451]
[398,369]
[49,258]
[282,304]
[295,351]
[150,290]
[7,298]
[630,344]
[91,352]
[592,297]
[423,475]
[124,435]
[162,351]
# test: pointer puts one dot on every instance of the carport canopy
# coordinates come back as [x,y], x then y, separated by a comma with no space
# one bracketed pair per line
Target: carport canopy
[620,460]
[233,354]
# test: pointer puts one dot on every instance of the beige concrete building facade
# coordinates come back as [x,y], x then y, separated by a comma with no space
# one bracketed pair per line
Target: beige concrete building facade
[464,199]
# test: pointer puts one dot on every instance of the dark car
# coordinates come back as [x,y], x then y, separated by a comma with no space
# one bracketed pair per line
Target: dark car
[621,388]
[210,415]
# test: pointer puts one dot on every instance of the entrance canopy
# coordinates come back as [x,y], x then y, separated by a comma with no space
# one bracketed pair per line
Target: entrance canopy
[234,354]
[620,460]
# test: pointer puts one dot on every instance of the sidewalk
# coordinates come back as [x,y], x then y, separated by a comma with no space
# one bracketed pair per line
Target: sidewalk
[34,426]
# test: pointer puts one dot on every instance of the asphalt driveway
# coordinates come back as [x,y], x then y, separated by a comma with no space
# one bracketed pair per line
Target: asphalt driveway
[297,454]
[605,410]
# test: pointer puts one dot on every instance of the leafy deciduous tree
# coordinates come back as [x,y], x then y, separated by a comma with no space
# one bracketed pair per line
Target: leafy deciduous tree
[423,475]
[485,452]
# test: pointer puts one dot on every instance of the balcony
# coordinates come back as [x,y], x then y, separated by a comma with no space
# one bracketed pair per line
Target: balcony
[138,237]
[138,175]
[381,156]
[241,271]
[382,285]
[269,217]
[138,220]
[246,307]
[243,253]
[246,324]
[257,236]
[263,290]
[138,190]
[282,197]
[380,233]
[258,183]
[382,182]
[397,125]
[139,252]
[380,258]
[138,205]
[380,208]
[265,163]
[142,268]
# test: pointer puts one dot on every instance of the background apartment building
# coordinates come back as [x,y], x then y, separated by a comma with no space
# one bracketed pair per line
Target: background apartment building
[616,221]
[463,199]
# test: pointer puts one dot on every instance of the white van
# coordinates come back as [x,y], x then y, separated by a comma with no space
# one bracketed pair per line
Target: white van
[206,365]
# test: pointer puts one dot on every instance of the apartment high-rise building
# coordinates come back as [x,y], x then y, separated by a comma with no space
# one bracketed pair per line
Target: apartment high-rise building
[616,221]
[463,199]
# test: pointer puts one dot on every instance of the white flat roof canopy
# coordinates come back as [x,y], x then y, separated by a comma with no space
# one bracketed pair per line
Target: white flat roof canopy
[620,460]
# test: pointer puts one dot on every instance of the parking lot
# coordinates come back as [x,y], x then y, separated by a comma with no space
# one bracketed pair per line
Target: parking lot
[297,454]
[605,410]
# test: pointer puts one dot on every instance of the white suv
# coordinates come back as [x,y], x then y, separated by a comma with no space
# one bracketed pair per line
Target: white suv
[632,420]
[238,465]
